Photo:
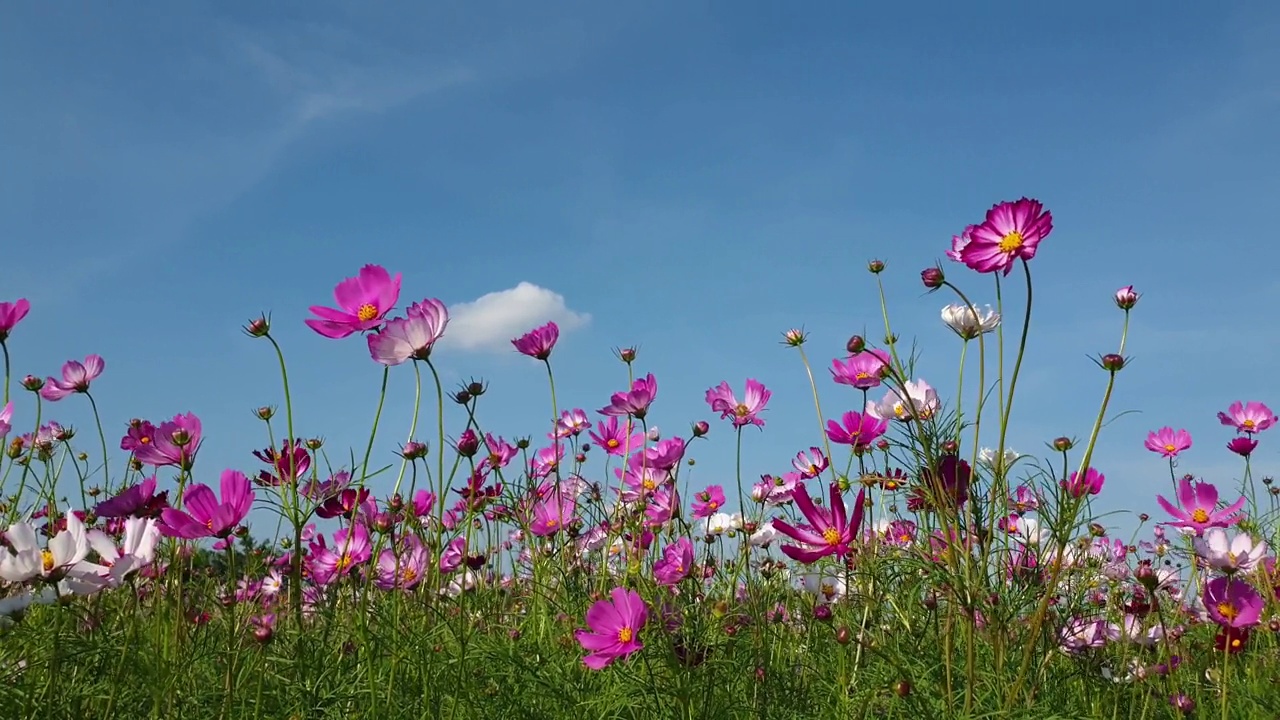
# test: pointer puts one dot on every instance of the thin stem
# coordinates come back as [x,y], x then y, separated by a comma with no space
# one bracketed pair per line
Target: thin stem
[102,438]
[413,426]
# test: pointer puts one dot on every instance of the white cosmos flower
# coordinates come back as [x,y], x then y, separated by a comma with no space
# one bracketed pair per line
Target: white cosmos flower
[969,324]
[763,535]
[826,585]
[1230,555]
[28,560]
[137,550]
[921,401]
[720,523]
[987,456]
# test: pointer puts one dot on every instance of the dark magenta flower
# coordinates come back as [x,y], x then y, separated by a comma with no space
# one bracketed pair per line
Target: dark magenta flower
[539,342]
[1090,484]
[614,628]
[1242,445]
[830,531]
[76,377]
[1011,231]
[138,500]
[204,515]
[1232,603]
[362,303]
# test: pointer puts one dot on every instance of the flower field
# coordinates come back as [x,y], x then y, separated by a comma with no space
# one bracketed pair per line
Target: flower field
[907,564]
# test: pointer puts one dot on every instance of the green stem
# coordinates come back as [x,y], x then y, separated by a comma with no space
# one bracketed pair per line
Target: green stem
[102,438]
[413,426]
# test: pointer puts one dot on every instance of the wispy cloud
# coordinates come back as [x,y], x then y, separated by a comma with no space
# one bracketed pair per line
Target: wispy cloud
[488,323]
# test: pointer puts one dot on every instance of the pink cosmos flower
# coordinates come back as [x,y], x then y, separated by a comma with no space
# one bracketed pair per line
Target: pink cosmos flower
[1252,417]
[1199,507]
[863,370]
[810,464]
[138,500]
[76,377]
[708,502]
[611,436]
[6,418]
[722,400]
[1232,603]
[552,511]
[405,569]
[10,315]
[959,242]
[362,303]
[539,342]
[410,337]
[1242,445]
[676,563]
[175,443]
[614,628]
[1168,442]
[205,516]
[634,403]
[1012,231]
[830,530]
[663,455]
[662,506]
[572,423]
[1078,487]
[351,548]
[856,430]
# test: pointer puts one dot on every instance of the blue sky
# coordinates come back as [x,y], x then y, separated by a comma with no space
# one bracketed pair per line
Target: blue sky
[692,178]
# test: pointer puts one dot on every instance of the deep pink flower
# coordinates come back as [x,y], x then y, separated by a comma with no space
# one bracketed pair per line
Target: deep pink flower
[830,530]
[612,437]
[1011,231]
[138,500]
[572,423]
[410,337]
[204,515]
[662,455]
[1090,484]
[539,342]
[862,370]
[290,462]
[1252,417]
[1199,507]
[343,504]
[676,563]
[708,502]
[951,478]
[351,548]
[722,400]
[11,314]
[634,403]
[1232,603]
[175,442]
[552,511]
[856,429]
[614,628]
[76,377]
[1242,445]
[362,303]
[1168,442]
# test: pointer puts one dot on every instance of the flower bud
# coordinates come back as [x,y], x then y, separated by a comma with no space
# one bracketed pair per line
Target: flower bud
[413,450]
[932,277]
[522,443]
[844,636]
[32,383]
[902,688]
[314,444]
[476,388]
[701,428]
[258,327]
[794,337]
[856,345]
[1112,362]
[950,447]
[266,412]
[1063,444]
[1126,298]
[462,397]
[627,355]
[876,266]
[822,613]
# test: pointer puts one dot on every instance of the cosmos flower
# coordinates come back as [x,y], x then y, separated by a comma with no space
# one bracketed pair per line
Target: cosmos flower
[1199,511]
[921,402]
[1230,555]
[1168,442]
[539,342]
[614,628]
[76,377]
[1232,603]
[1011,231]
[969,324]
[612,437]
[1250,418]
[410,337]
[6,418]
[675,564]
[810,464]
[12,313]
[1090,484]
[829,531]
[708,502]
[634,403]
[175,443]
[862,370]
[204,515]
[26,560]
[856,429]
[722,400]
[362,303]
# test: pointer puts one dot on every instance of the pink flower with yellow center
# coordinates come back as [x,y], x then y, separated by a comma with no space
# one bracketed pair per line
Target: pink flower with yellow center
[722,400]
[1250,418]
[362,303]
[1232,603]
[1012,231]
[830,530]
[614,628]
[1199,510]
[1168,442]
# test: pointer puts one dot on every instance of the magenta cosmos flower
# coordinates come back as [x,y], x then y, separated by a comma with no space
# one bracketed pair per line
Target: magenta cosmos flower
[10,315]
[175,442]
[722,400]
[614,628]
[830,531]
[1011,231]
[1199,507]
[362,303]
[856,429]
[863,370]
[553,510]
[539,342]
[675,564]
[205,516]
[1251,417]
[634,403]
[1168,442]
[1091,484]
[708,502]
[1232,603]
[76,377]
[613,437]
[410,337]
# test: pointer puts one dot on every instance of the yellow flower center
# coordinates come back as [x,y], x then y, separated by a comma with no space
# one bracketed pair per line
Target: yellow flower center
[899,410]
[1200,515]
[861,376]
[612,443]
[625,635]
[813,468]
[553,523]
[1170,448]
[495,459]
[1248,424]
[367,312]
[831,536]
[144,440]
[408,574]
[648,484]
[1227,610]
[828,589]
[1011,242]
[344,562]
[713,504]
[741,410]
[46,558]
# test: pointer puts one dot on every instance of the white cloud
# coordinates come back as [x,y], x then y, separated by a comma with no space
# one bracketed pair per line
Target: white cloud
[489,322]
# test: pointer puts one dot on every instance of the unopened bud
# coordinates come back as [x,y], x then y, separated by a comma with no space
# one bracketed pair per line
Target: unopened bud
[855,345]
[932,277]
[701,428]
[1112,362]
[1126,298]
[266,412]
[258,327]
[32,383]
[314,444]
[876,266]
[794,337]
[1063,444]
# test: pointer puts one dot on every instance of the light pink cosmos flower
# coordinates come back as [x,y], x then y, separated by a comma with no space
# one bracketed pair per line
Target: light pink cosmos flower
[204,515]
[351,549]
[921,402]
[1012,231]
[539,342]
[722,400]
[11,313]
[612,437]
[553,510]
[1230,555]
[675,564]
[410,337]
[959,242]
[634,403]
[1232,603]
[572,423]
[6,419]
[1251,417]
[1168,442]
[863,370]
[76,377]
[403,568]
[362,303]
[614,628]
[810,464]
[1199,508]
[830,530]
